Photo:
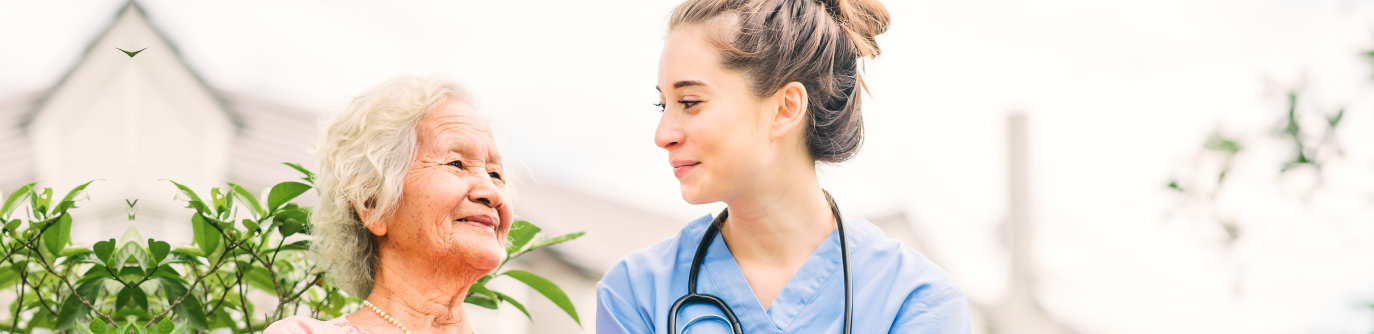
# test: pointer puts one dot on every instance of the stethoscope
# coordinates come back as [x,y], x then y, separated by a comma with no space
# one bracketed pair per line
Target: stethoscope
[693,296]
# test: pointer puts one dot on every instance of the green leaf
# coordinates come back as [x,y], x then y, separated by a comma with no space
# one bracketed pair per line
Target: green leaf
[481,289]
[14,232]
[1334,120]
[84,329]
[480,300]
[57,235]
[158,250]
[69,201]
[548,289]
[186,252]
[72,309]
[291,220]
[8,277]
[15,197]
[521,232]
[98,327]
[68,312]
[284,192]
[190,308]
[75,253]
[1221,143]
[247,198]
[133,251]
[259,278]
[96,271]
[204,235]
[39,201]
[180,328]
[503,297]
[131,208]
[104,250]
[193,201]
[557,240]
[132,325]
[165,326]
[251,225]
[132,297]
[221,201]
[309,176]
[131,274]
[297,245]
[167,272]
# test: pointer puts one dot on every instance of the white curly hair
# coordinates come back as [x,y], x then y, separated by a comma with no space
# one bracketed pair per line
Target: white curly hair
[364,155]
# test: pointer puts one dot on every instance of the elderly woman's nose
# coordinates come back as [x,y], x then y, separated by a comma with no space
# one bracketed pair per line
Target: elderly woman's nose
[485,192]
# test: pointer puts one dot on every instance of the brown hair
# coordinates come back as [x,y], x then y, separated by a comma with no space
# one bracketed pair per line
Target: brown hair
[815,42]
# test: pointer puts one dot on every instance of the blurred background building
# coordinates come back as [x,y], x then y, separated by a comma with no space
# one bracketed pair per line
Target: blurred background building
[1046,154]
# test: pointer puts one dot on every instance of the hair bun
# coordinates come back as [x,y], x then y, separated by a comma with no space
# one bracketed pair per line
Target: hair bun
[862,20]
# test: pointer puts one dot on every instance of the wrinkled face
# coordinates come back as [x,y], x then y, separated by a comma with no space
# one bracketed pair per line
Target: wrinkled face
[453,208]
[713,126]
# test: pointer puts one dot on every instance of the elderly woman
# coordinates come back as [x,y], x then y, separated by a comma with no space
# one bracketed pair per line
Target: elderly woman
[412,209]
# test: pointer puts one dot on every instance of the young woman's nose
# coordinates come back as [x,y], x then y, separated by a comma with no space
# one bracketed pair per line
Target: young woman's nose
[668,134]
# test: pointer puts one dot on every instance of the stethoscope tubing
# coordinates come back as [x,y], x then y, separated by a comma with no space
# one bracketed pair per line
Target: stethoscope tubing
[711,231]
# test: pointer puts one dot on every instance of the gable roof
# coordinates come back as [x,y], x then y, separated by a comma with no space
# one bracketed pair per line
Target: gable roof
[130,8]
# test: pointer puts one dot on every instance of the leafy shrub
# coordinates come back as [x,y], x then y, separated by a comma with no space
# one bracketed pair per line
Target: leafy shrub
[244,247]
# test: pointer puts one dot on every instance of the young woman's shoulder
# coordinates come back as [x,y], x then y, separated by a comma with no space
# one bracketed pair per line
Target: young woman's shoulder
[629,290]
[919,293]
[881,254]
[659,260]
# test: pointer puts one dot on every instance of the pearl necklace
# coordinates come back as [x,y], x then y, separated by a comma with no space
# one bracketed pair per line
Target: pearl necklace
[385,316]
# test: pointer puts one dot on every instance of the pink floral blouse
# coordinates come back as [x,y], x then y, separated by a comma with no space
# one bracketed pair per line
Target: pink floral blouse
[306,325]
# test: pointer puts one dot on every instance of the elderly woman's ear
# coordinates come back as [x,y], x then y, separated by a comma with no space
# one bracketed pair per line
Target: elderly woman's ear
[444,242]
[364,212]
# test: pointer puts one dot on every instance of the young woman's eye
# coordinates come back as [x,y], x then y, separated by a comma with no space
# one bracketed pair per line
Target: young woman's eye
[688,104]
[661,107]
[456,163]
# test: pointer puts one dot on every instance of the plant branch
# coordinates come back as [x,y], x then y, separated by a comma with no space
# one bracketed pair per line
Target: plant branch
[189,289]
[69,284]
[19,302]
[239,244]
[23,279]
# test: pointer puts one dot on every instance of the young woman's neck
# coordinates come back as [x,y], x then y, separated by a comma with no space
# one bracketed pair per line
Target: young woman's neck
[783,223]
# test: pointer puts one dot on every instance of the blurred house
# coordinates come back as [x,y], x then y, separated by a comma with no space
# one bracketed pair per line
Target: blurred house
[132,123]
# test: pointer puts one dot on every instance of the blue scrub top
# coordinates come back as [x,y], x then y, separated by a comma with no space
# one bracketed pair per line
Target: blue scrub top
[896,289]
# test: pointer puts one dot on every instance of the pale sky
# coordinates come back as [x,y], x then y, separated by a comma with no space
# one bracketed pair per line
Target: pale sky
[1119,96]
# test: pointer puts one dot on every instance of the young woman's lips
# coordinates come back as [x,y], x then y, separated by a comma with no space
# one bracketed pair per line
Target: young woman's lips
[681,167]
[480,220]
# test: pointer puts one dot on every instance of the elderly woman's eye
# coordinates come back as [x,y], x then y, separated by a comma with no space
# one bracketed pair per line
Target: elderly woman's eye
[496,175]
[456,163]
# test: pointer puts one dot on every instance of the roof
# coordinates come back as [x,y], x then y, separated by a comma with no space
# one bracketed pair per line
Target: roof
[16,147]
[620,228]
[134,8]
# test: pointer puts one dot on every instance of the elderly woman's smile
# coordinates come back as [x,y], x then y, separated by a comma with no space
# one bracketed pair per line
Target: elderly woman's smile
[456,182]
[482,221]
[413,207]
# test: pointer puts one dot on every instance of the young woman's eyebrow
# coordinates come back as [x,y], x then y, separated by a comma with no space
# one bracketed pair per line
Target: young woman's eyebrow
[684,83]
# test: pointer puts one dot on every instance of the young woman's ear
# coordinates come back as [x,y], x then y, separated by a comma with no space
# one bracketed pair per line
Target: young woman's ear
[791,100]
[364,212]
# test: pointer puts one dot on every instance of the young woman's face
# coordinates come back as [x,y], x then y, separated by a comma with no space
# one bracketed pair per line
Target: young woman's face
[712,125]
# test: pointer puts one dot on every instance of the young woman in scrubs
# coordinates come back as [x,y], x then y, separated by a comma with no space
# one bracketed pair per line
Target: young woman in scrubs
[754,93]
